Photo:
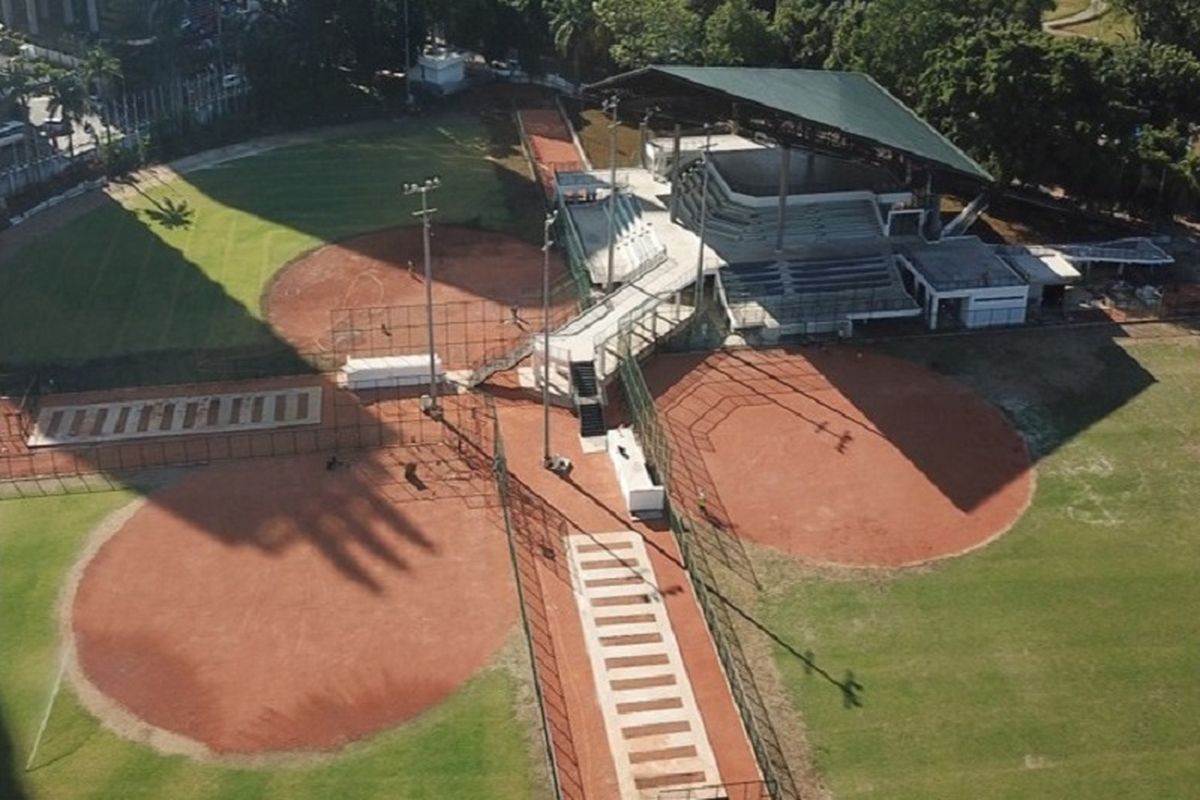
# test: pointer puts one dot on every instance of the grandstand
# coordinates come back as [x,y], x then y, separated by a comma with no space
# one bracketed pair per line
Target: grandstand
[815,209]
[637,247]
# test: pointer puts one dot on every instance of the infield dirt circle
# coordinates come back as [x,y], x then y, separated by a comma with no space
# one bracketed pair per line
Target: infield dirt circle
[478,278]
[839,455]
[274,606]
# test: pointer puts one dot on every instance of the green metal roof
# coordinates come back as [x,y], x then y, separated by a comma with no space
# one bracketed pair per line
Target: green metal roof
[848,101]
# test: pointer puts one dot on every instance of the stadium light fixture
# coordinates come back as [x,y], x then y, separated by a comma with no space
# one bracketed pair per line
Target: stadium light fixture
[548,460]
[703,218]
[426,214]
[610,106]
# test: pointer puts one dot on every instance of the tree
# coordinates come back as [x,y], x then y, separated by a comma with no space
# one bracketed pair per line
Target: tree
[70,100]
[572,23]
[650,31]
[805,29]
[892,40]
[20,81]
[736,34]
[98,70]
[1174,22]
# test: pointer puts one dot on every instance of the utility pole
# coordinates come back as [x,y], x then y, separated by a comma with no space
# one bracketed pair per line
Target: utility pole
[547,241]
[703,218]
[426,213]
[610,105]
[408,98]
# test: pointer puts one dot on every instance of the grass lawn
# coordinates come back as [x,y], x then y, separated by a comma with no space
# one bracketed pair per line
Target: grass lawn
[1059,662]
[592,128]
[131,279]
[473,745]
[1112,26]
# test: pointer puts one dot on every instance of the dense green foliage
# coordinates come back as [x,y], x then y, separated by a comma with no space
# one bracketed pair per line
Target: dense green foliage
[1112,123]
[1059,661]
[1169,21]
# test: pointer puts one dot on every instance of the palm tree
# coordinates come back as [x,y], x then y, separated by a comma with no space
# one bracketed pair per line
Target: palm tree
[69,98]
[571,22]
[98,70]
[20,82]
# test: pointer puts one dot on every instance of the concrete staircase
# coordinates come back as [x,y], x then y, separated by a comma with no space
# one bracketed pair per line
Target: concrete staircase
[654,727]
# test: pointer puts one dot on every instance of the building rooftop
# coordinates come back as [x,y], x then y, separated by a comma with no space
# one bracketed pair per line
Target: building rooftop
[962,262]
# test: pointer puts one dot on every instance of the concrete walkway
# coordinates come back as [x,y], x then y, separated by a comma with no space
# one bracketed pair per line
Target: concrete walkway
[551,512]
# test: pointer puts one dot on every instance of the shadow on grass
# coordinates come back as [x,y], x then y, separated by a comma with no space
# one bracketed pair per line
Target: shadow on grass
[12,787]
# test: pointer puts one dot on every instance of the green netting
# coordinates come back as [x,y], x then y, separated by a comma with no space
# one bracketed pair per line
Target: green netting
[691,535]
[503,487]
[577,263]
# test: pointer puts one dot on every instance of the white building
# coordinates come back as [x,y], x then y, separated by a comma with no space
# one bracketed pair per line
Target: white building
[441,69]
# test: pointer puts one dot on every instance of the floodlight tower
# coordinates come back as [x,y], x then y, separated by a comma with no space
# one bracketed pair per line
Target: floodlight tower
[703,217]
[426,214]
[610,106]
[547,241]
[408,96]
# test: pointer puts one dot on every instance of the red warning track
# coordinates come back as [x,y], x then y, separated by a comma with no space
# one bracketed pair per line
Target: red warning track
[269,606]
[840,455]
[553,147]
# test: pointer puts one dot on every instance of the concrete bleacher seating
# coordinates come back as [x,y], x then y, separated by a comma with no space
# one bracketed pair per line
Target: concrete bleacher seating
[637,243]
[637,246]
[799,291]
[835,264]
[804,223]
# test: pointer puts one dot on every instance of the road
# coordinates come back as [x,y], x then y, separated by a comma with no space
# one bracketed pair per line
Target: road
[39,113]
[1096,8]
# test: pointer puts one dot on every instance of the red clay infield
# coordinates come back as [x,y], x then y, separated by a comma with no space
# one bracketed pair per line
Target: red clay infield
[477,275]
[273,606]
[839,455]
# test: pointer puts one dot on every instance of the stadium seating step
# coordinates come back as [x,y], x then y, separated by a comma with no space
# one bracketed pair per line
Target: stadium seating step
[583,378]
[591,420]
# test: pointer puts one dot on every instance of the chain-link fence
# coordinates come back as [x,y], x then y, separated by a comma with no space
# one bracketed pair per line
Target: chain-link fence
[55,443]
[535,534]
[469,335]
[692,533]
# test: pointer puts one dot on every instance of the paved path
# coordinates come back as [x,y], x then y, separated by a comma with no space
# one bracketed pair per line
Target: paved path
[1095,10]
[548,512]
[552,146]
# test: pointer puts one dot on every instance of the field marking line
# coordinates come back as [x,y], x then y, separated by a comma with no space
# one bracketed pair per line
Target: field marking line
[62,669]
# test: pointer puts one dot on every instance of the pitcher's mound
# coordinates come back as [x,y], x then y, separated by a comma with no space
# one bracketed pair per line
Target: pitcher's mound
[841,456]
[274,606]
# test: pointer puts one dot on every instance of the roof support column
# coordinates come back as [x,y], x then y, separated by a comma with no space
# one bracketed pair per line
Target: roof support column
[31,17]
[785,171]
[675,174]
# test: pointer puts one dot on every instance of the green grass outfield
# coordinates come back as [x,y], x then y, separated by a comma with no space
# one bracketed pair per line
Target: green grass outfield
[473,745]
[1062,661]
[117,281]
